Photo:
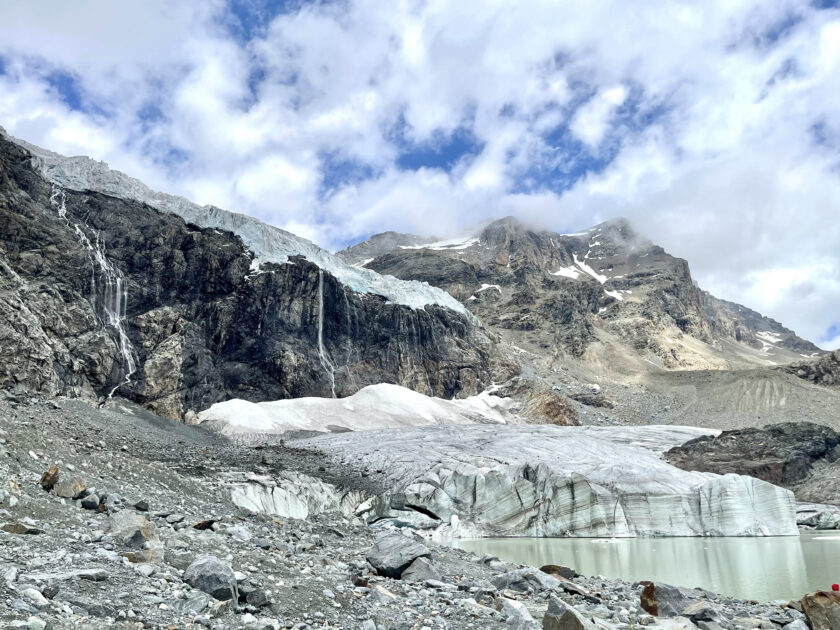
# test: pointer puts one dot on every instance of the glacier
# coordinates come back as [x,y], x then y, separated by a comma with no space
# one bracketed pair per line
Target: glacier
[268,243]
[520,480]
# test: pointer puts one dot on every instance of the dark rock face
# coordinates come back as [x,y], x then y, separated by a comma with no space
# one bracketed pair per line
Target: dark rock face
[99,293]
[785,454]
[825,371]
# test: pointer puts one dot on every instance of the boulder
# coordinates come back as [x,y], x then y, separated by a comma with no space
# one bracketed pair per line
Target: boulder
[419,571]
[526,580]
[822,609]
[49,478]
[561,616]
[664,600]
[136,532]
[516,615]
[72,488]
[392,554]
[214,577]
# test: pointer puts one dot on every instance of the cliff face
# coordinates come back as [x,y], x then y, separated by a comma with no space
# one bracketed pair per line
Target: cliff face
[101,294]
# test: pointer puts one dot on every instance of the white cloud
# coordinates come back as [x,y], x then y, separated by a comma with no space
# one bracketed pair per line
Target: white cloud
[591,121]
[727,171]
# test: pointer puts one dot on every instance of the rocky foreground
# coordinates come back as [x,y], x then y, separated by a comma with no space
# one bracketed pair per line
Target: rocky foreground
[118,518]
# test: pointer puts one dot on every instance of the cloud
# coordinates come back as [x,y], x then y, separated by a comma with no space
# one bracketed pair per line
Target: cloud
[711,126]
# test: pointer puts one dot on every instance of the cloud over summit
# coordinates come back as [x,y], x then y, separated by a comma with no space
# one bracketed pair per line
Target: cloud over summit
[714,127]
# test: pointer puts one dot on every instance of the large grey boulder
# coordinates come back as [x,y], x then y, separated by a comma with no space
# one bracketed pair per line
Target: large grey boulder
[561,616]
[419,571]
[391,554]
[214,577]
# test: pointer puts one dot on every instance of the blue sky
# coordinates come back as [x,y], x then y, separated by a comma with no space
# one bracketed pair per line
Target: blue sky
[713,126]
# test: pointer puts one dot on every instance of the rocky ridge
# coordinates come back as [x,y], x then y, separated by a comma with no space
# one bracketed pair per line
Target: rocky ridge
[100,294]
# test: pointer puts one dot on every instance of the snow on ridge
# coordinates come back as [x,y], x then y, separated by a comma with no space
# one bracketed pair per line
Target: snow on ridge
[268,243]
[372,407]
[447,245]
[580,263]
[484,287]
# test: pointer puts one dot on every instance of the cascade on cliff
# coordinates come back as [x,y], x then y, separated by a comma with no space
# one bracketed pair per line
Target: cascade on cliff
[326,362]
[112,307]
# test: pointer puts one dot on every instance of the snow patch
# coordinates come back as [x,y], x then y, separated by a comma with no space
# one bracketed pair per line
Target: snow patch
[448,245]
[484,287]
[373,407]
[586,268]
[567,272]
[615,294]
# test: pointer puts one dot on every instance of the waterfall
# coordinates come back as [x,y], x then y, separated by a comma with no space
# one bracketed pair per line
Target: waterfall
[326,363]
[114,288]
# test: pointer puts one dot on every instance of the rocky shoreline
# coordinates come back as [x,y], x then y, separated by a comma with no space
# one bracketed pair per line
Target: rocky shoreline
[137,530]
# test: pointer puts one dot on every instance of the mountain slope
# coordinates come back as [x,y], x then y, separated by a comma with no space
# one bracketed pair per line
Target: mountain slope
[577,292]
[102,294]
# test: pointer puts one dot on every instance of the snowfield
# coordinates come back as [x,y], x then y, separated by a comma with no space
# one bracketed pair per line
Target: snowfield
[373,407]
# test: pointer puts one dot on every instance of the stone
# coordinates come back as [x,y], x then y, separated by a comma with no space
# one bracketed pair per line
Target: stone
[49,478]
[91,502]
[136,532]
[798,624]
[194,603]
[34,597]
[525,580]
[72,488]
[141,506]
[391,554]
[36,623]
[21,528]
[419,571]
[822,609]
[174,518]
[258,598]
[561,616]
[664,600]
[515,613]
[558,571]
[209,574]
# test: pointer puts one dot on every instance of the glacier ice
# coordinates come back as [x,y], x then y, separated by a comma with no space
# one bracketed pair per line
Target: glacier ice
[516,480]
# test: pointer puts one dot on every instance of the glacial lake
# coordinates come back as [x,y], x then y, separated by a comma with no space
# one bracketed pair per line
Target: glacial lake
[762,569]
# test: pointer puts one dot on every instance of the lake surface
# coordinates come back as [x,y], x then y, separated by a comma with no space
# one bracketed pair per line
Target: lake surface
[763,569]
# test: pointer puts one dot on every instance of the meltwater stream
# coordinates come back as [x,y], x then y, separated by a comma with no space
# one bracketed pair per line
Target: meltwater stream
[760,568]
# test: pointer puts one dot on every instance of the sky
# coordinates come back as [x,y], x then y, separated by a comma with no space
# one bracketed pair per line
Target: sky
[713,126]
